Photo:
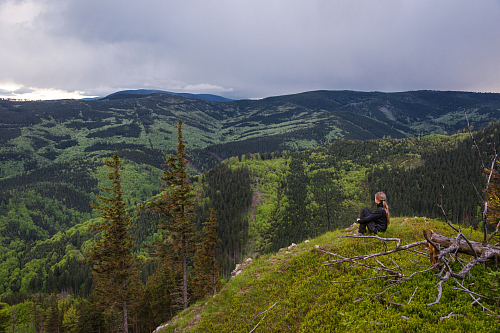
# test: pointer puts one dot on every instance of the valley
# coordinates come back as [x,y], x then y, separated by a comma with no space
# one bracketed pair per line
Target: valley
[277,171]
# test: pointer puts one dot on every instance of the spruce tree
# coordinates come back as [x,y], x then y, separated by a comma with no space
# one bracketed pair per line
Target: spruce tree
[176,205]
[114,268]
[206,267]
[53,321]
[158,303]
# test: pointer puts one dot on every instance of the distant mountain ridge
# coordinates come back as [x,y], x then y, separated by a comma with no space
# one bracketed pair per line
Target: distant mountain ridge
[138,93]
[40,133]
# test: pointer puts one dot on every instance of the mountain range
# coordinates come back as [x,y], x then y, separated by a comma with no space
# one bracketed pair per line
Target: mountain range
[138,93]
[40,133]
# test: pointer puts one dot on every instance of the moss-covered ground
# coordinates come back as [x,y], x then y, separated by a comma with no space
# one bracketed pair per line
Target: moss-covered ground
[287,292]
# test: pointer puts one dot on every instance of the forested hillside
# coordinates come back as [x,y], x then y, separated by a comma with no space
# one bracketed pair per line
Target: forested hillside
[35,134]
[265,197]
[264,201]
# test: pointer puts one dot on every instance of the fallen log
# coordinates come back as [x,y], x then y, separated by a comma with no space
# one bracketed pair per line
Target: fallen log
[447,245]
[461,246]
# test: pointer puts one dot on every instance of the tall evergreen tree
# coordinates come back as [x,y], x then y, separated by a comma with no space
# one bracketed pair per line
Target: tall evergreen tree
[116,274]
[206,267]
[158,301]
[176,206]
[53,322]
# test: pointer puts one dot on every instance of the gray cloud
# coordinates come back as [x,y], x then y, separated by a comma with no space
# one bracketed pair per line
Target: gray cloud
[255,48]
[5,92]
[23,90]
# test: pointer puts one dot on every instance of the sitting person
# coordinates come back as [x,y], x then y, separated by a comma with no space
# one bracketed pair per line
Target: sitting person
[378,220]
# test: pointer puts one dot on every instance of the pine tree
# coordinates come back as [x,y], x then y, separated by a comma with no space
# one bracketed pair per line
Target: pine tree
[206,267]
[115,272]
[176,206]
[158,303]
[53,322]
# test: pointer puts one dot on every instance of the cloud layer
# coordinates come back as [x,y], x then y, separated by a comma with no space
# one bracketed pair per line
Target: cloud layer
[248,48]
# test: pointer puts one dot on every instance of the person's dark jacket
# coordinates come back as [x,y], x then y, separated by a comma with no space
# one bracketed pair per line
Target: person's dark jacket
[379,217]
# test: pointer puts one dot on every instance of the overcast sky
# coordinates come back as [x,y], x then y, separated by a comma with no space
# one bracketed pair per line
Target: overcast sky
[53,49]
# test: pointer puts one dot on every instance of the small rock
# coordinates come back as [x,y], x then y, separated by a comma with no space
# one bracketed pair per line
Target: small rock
[292,246]
[307,241]
[404,317]
[316,246]
[248,260]
[159,328]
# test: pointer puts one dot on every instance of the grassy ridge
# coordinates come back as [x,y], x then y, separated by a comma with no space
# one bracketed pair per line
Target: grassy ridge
[293,279]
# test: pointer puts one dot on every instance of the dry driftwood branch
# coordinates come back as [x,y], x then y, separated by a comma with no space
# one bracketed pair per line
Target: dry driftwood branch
[397,240]
[476,301]
[450,225]
[482,251]
[354,261]
[412,295]
[265,314]
[473,293]
[451,314]
[442,246]
[439,288]
[372,278]
[418,253]
[368,256]
[474,140]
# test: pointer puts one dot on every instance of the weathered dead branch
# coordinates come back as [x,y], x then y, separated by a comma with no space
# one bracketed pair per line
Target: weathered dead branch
[368,279]
[397,240]
[412,295]
[482,252]
[368,256]
[262,313]
[439,288]
[442,249]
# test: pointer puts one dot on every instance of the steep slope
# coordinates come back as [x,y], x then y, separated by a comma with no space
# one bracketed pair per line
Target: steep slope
[290,291]
[264,201]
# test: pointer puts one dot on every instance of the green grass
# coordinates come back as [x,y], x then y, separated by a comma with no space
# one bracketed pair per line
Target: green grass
[294,280]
